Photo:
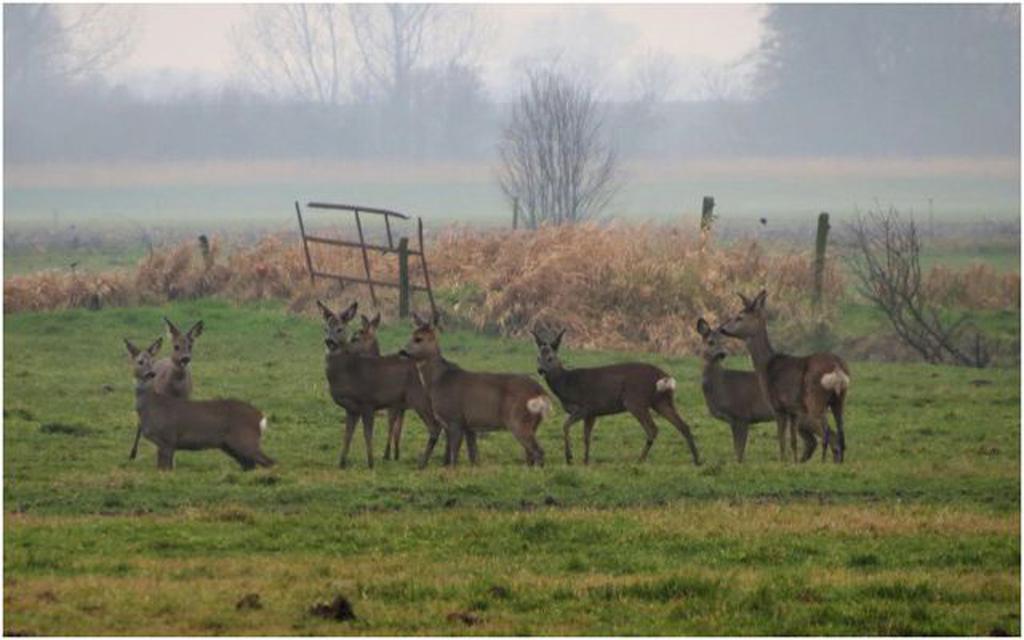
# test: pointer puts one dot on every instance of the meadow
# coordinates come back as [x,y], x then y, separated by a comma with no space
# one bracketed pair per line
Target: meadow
[916,533]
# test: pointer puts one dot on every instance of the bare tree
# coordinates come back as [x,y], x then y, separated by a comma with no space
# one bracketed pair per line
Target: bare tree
[395,39]
[887,266]
[296,48]
[557,161]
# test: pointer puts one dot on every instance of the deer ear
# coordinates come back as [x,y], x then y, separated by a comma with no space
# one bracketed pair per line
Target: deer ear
[557,342]
[759,300]
[170,327]
[132,349]
[196,330]
[419,321]
[703,328]
[365,321]
[435,319]
[375,322]
[536,338]
[349,313]
[328,314]
[155,347]
[746,302]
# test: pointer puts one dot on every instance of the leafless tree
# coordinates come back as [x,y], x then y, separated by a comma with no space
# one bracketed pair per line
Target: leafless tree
[887,266]
[50,42]
[296,48]
[393,40]
[557,161]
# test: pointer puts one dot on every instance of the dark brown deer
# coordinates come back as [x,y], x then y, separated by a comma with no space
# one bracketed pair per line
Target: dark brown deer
[364,342]
[587,394]
[468,402]
[732,396]
[800,389]
[362,384]
[173,424]
[173,375]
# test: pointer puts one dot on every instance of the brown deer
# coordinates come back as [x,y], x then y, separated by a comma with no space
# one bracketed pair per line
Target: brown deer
[364,342]
[173,375]
[587,394]
[468,402]
[800,389]
[732,396]
[361,384]
[233,426]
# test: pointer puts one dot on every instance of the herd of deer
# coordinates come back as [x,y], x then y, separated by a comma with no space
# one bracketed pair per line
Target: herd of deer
[794,391]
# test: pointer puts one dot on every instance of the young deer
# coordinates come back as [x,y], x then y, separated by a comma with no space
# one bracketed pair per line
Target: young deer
[361,384]
[732,396]
[173,375]
[800,389]
[468,402]
[364,342]
[587,394]
[233,426]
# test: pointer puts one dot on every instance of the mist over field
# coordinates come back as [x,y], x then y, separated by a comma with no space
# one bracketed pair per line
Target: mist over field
[789,111]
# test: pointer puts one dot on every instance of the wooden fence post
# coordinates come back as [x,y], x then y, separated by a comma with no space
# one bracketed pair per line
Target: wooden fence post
[515,213]
[707,214]
[820,244]
[403,277]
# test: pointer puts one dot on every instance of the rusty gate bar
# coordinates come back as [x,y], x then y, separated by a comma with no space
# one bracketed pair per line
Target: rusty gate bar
[350,207]
[426,273]
[366,258]
[387,225]
[356,245]
[305,243]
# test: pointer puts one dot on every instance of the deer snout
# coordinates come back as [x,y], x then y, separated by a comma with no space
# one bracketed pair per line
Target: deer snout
[185,360]
[149,375]
[404,354]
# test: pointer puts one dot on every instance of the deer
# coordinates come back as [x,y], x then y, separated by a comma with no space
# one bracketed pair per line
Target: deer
[362,383]
[469,402]
[732,396]
[589,393]
[173,424]
[173,375]
[364,341]
[799,389]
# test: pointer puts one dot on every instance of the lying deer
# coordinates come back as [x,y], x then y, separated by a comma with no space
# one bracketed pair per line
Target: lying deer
[364,342]
[587,394]
[233,426]
[467,402]
[732,396]
[799,389]
[173,375]
[361,384]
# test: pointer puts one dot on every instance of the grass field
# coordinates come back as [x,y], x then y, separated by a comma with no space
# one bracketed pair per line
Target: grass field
[917,533]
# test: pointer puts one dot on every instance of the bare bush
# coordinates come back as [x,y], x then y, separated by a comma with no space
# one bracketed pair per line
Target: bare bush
[557,161]
[887,265]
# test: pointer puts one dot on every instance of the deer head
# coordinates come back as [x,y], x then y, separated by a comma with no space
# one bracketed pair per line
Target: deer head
[182,342]
[364,339]
[142,360]
[336,325]
[423,344]
[547,353]
[750,320]
[713,349]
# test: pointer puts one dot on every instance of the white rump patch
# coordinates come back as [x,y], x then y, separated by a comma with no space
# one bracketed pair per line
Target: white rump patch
[665,384]
[539,405]
[837,381]
[263,424]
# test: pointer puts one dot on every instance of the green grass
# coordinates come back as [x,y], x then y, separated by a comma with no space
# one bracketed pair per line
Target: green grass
[23,260]
[918,533]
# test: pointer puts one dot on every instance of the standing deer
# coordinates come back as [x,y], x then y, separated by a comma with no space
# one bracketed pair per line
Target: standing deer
[233,426]
[800,389]
[361,384]
[587,394]
[733,396]
[173,375]
[364,342]
[467,402]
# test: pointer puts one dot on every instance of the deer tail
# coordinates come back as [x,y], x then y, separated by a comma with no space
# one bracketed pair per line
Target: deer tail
[539,405]
[836,381]
[668,383]
[263,424]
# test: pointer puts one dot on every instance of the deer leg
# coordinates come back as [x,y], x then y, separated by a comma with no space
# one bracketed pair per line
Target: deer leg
[165,459]
[350,428]
[740,430]
[810,442]
[667,409]
[396,429]
[525,436]
[135,447]
[368,436]
[455,434]
[793,425]
[434,428]
[588,428]
[569,421]
[780,420]
[471,447]
[836,405]
[650,429]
